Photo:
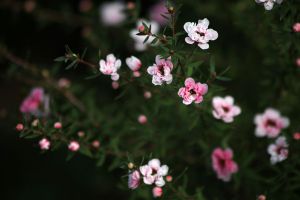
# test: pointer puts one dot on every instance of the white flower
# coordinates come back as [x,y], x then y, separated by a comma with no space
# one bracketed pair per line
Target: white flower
[268,4]
[110,66]
[112,13]
[200,33]
[133,63]
[139,44]
[278,151]
[153,172]
[224,108]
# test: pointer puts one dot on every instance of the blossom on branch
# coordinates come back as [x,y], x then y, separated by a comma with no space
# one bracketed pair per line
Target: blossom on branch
[200,33]
[110,66]
[268,4]
[279,150]
[224,108]
[161,70]
[192,91]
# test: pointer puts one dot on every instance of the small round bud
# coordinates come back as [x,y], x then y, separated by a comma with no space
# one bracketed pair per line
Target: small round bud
[81,134]
[172,52]
[136,74]
[296,136]
[74,146]
[96,144]
[19,127]
[35,123]
[29,6]
[44,144]
[130,5]
[298,62]
[171,9]
[169,178]
[147,94]
[130,165]
[261,197]
[141,28]
[157,192]
[115,85]
[142,119]
[57,125]
[296,27]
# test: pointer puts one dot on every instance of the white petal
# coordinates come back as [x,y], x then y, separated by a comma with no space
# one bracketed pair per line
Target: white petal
[203,46]
[189,40]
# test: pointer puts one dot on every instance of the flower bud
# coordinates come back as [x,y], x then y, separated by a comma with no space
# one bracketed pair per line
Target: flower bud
[19,127]
[169,178]
[115,85]
[261,197]
[130,5]
[147,94]
[35,122]
[57,125]
[74,146]
[157,192]
[296,136]
[296,27]
[96,144]
[44,144]
[130,165]
[81,134]
[142,119]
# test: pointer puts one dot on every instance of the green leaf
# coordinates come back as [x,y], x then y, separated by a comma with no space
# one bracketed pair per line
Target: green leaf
[71,64]
[212,65]
[146,39]
[60,59]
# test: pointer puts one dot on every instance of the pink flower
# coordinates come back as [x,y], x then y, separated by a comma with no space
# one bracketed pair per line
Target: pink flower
[156,11]
[57,125]
[110,66]
[200,33]
[192,92]
[74,146]
[169,178]
[112,13]
[134,180]
[147,94]
[44,144]
[161,71]
[223,108]
[279,150]
[223,164]
[261,197]
[157,192]
[115,85]
[296,27]
[269,4]
[133,63]
[32,102]
[270,123]
[142,119]
[19,127]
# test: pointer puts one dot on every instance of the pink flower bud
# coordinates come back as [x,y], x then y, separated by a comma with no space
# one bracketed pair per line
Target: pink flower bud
[81,134]
[130,5]
[29,6]
[296,27]
[64,83]
[35,122]
[142,119]
[85,5]
[96,144]
[19,127]
[298,62]
[261,197]
[115,85]
[296,136]
[169,178]
[157,192]
[141,28]
[136,74]
[44,144]
[147,94]
[74,146]
[57,125]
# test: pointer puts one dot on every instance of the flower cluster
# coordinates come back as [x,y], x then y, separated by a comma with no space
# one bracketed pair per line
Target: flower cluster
[223,163]
[199,33]
[224,108]
[152,173]
[192,92]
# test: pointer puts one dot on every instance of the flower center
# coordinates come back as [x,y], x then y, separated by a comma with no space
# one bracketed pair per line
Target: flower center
[270,123]
[226,109]
[161,70]
[200,33]
[192,92]
[222,163]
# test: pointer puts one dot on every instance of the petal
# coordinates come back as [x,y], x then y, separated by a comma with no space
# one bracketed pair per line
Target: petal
[211,34]
[203,46]
[163,170]
[203,23]
[154,164]
[189,40]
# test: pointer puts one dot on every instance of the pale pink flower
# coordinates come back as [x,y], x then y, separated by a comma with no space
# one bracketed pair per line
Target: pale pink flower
[192,92]
[57,125]
[157,192]
[224,108]
[32,103]
[154,172]
[134,180]
[296,27]
[161,70]
[74,146]
[133,63]
[115,85]
[223,163]
[112,13]
[268,4]
[19,127]
[279,150]
[139,44]
[298,62]
[270,123]
[200,33]
[147,94]
[44,144]
[156,11]
[110,66]
[142,119]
